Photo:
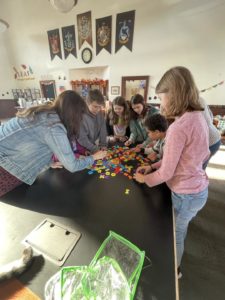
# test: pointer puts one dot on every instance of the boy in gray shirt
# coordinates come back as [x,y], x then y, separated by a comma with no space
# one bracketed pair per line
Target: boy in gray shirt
[93,134]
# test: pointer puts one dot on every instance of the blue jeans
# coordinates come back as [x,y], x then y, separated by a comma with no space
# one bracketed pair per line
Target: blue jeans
[213,149]
[186,207]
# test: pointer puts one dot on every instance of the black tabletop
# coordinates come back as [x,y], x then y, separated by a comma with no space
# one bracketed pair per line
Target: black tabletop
[94,206]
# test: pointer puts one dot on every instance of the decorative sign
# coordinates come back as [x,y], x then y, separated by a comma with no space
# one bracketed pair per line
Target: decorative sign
[23,73]
[69,41]
[84,28]
[54,43]
[103,34]
[125,30]
[115,90]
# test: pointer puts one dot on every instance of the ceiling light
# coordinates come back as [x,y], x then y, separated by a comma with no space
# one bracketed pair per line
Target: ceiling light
[63,6]
[3,25]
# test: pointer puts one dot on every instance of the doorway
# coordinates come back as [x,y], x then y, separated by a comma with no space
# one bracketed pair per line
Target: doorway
[48,89]
[84,79]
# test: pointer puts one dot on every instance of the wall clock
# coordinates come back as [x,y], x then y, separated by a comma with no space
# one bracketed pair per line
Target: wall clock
[86,55]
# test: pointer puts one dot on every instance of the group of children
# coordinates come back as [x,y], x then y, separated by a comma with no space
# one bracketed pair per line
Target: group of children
[135,120]
[177,154]
[123,123]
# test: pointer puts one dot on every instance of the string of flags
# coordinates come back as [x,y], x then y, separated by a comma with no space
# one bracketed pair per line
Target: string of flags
[213,86]
[202,91]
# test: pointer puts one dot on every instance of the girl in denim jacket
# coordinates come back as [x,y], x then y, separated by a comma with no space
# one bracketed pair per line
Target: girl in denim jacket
[28,141]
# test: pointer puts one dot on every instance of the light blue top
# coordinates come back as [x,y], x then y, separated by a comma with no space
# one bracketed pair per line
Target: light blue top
[27,146]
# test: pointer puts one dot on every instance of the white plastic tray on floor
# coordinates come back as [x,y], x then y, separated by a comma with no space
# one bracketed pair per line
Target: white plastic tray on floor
[53,240]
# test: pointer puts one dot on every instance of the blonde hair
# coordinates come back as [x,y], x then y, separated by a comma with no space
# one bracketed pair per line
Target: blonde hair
[178,83]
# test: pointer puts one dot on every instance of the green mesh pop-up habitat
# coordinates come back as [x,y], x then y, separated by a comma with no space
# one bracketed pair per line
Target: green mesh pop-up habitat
[113,274]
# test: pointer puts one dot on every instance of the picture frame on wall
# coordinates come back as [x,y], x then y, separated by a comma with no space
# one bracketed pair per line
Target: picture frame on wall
[37,93]
[33,95]
[20,93]
[132,85]
[115,90]
[27,93]
[15,95]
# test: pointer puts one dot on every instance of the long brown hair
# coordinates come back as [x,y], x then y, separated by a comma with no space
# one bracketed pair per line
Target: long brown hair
[178,83]
[120,101]
[138,99]
[68,105]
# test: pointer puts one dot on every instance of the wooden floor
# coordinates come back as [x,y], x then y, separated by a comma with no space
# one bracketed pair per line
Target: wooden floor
[203,264]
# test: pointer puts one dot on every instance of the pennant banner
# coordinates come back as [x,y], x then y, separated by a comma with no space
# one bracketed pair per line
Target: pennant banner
[103,34]
[84,28]
[54,43]
[202,91]
[213,86]
[125,30]
[69,41]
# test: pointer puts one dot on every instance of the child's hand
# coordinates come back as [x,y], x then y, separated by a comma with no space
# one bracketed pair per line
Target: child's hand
[150,145]
[56,165]
[139,177]
[152,156]
[87,153]
[99,155]
[122,138]
[143,170]
[139,146]
[103,148]
[128,143]
[112,139]
[136,149]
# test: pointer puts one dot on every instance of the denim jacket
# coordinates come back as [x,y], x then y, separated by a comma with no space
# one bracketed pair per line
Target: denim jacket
[27,146]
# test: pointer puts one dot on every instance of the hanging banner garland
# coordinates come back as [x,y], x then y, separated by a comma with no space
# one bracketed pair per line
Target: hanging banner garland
[100,82]
[54,43]
[213,86]
[84,28]
[202,91]
[69,41]
[125,30]
[103,34]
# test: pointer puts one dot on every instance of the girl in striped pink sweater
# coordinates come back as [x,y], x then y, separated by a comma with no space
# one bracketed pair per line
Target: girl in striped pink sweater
[185,151]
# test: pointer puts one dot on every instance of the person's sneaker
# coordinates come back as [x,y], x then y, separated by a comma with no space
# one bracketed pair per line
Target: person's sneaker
[179,274]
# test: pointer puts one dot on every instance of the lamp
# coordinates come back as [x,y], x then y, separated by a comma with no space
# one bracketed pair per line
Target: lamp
[3,25]
[63,6]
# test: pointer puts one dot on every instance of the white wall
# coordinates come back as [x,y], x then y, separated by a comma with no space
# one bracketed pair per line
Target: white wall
[90,73]
[167,33]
